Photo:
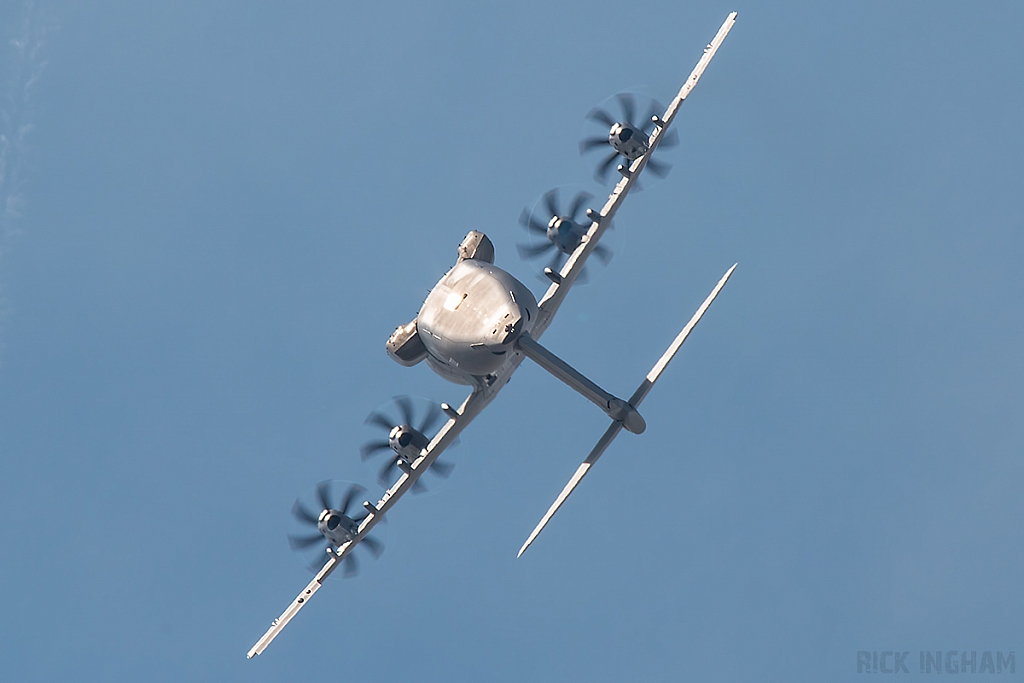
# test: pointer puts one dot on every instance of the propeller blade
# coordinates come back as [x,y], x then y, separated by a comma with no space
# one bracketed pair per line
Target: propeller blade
[303,542]
[323,494]
[419,487]
[603,253]
[405,408]
[531,223]
[602,170]
[384,476]
[553,264]
[350,566]
[371,448]
[320,560]
[654,108]
[430,421]
[590,143]
[670,140]
[577,204]
[381,420]
[442,468]
[373,545]
[303,514]
[551,202]
[528,251]
[628,105]
[350,495]
[601,116]
[658,168]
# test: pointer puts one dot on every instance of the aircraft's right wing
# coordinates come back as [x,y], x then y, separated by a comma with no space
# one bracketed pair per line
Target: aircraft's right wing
[557,292]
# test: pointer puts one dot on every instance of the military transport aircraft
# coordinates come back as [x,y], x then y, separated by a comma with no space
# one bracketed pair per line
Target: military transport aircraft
[476,327]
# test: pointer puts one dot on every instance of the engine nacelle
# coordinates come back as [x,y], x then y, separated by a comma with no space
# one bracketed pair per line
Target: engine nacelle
[405,345]
[628,141]
[565,234]
[407,442]
[336,527]
[476,246]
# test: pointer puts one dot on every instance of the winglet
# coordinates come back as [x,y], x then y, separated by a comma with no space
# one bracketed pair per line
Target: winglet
[638,396]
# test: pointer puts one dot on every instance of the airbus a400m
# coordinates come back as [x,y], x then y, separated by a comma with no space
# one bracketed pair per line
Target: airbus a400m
[479,323]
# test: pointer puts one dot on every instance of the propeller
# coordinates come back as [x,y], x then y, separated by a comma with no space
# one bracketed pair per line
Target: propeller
[407,436]
[627,107]
[335,525]
[561,231]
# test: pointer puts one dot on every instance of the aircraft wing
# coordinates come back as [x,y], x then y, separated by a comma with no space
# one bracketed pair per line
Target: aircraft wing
[557,292]
[458,419]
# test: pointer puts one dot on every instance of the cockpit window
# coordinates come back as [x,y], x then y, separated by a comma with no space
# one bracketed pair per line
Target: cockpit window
[625,134]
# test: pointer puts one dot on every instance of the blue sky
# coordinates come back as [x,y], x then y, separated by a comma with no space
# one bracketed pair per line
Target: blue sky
[214,217]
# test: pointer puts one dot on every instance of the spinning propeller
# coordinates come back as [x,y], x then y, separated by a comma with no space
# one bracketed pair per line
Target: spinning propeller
[562,231]
[627,136]
[405,441]
[335,526]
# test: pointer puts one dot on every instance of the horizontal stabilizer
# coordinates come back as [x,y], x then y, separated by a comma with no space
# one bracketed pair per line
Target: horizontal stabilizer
[638,396]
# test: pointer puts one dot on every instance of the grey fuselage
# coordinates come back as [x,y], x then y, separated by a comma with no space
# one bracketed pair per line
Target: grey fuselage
[471,320]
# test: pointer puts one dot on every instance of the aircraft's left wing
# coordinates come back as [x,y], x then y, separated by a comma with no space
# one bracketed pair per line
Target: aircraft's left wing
[571,269]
